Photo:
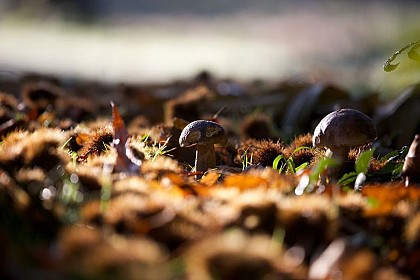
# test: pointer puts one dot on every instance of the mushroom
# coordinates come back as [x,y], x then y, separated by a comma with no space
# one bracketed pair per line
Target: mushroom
[341,130]
[204,134]
[411,167]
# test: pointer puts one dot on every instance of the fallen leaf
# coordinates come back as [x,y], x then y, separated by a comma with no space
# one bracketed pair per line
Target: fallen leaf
[245,181]
[384,197]
[126,161]
[210,178]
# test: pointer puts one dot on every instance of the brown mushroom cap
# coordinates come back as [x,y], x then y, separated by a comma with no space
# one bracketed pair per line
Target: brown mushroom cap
[202,132]
[344,127]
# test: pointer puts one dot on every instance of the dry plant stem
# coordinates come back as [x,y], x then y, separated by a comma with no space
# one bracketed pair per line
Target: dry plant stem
[339,155]
[205,158]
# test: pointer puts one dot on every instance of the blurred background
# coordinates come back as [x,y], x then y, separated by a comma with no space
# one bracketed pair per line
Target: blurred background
[141,41]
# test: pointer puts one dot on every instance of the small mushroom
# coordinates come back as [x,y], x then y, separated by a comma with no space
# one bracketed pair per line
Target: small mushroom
[411,167]
[341,130]
[203,134]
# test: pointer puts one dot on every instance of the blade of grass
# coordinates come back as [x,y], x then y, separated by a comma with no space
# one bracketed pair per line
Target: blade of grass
[276,161]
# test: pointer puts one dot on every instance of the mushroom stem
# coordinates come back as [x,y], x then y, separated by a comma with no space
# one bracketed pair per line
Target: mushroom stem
[411,170]
[339,154]
[205,158]
[411,167]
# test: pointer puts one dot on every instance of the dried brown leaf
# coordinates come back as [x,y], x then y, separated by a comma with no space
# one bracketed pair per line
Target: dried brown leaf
[383,198]
[210,178]
[245,181]
[126,160]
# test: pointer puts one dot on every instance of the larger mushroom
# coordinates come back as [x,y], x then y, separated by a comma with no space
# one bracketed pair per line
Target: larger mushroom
[411,167]
[341,130]
[204,134]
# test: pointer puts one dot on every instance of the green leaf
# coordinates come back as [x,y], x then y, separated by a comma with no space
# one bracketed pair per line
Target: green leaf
[299,149]
[276,161]
[396,154]
[403,151]
[348,178]
[390,155]
[302,166]
[291,166]
[388,168]
[388,67]
[363,161]
[398,169]
[412,54]
[393,164]
[320,167]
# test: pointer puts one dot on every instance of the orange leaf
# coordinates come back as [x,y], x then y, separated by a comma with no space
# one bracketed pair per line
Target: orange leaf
[175,179]
[120,132]
[126,162]
[384,197]
[245,181]
[210,178]
[82,138]
[188,187]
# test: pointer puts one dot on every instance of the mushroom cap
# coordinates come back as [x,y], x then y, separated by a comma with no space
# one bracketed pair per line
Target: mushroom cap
[202,132]
[344,127]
